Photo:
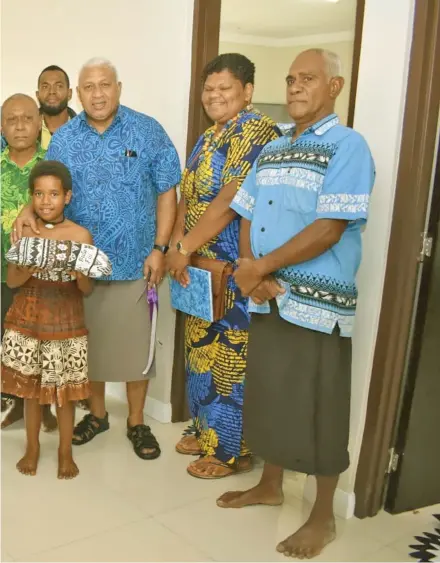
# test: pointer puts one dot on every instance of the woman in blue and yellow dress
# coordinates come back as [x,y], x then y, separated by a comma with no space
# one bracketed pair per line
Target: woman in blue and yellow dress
[215,353]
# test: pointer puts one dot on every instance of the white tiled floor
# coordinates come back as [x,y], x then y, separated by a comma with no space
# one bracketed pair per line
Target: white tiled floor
[121,508]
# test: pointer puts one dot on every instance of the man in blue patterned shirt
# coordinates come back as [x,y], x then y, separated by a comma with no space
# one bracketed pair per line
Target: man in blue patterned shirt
[303,206]
[125,170]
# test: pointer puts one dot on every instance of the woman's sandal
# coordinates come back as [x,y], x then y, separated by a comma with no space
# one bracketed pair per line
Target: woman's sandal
[89,427]
[143,439]
[188,437]
[242,465]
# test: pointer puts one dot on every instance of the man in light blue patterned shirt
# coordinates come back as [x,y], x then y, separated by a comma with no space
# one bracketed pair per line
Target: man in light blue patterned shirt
[125,170]
[303,207]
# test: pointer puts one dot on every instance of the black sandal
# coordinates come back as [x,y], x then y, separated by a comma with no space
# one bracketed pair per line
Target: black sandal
[89,427]
[143,439]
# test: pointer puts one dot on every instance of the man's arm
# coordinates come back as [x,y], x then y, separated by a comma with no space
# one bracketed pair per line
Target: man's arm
[245,239]
[166,216]
[310,243]
[154,267]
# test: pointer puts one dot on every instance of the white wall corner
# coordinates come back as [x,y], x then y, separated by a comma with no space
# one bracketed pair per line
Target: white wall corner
[343,504]
[157,410]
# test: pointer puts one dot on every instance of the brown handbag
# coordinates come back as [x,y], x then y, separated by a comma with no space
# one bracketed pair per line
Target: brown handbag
[220,272]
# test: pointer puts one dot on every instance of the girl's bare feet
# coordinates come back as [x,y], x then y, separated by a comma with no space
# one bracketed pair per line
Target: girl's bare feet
[29,462]
[260,494]
[67,468]
[310,540]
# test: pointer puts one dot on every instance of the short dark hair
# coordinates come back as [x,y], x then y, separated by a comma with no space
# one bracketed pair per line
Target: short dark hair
[240,66]
[50,168]
[54,68]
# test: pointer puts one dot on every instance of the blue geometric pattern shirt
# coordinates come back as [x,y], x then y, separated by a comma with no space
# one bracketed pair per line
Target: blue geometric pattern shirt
[326,173]
[117,177]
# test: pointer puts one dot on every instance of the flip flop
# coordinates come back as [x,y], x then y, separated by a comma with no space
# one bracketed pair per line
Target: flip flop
[233,469]
[180,446]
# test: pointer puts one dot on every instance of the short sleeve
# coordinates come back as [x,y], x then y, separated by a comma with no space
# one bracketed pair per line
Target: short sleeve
[348,183]
[245,146]
[166,165]
[244,200]
[57,149]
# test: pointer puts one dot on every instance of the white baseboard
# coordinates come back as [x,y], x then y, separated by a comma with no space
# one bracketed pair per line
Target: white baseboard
[153,408]
[344,502]
[158,410]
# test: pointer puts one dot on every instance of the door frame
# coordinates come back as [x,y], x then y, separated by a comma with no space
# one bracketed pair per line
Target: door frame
[205,43]
[408,223]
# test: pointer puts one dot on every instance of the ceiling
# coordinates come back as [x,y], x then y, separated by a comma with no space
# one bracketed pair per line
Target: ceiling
[287,19]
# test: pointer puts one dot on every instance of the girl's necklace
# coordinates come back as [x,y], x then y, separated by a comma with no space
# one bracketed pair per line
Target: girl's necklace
[50,225]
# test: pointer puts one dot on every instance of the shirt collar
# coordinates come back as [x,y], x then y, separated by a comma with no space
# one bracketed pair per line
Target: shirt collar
[118,117]
[323,125]
[38,155]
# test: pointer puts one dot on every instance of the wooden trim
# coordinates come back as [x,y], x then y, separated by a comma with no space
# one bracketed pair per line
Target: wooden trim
[409,216]
[205,41]
[358,27]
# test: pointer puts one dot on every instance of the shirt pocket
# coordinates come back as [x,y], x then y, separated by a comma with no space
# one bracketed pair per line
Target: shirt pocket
[301,190]
[133,171]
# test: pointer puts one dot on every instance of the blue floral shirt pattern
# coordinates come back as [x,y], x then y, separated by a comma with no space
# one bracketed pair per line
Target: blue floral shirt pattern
[117,177]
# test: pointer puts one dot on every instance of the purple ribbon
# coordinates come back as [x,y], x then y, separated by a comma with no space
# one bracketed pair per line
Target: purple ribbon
[153,300]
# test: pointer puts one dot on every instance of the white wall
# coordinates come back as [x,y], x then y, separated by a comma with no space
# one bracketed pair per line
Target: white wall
[149,41]
[273,62]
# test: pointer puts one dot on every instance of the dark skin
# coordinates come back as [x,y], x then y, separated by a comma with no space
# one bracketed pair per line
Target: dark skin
[54,94]
[223,97]
[49,200]
[311,95]
[21,125]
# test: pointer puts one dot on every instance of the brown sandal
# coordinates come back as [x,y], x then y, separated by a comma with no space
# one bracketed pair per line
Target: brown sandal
[242,465]
[189,435]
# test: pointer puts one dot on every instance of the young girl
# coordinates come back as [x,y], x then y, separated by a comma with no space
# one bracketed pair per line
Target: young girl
[44,355]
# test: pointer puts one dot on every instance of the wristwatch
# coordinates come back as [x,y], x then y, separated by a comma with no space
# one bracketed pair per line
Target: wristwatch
[181,249]
[163,249]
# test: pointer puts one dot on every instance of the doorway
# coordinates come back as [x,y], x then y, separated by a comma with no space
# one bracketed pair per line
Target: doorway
[265,32]
[401,429]
[415,462]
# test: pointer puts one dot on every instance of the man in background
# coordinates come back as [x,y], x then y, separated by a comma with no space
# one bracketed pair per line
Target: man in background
[54,94]
[21,126]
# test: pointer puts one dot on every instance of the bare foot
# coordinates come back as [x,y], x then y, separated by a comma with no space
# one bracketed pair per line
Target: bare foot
[210,467]
[29,463]
[67,468]
[15,414]
[310,540]
[257,495]
[50,423]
